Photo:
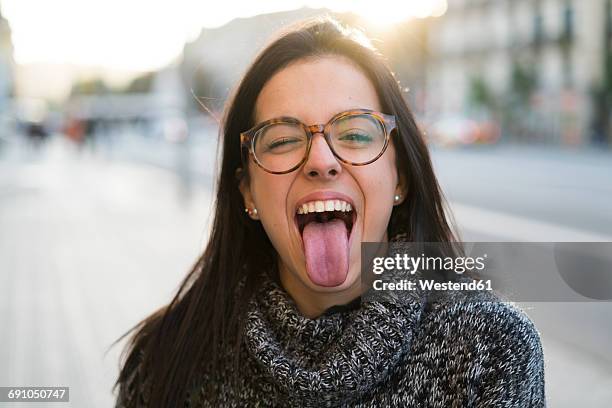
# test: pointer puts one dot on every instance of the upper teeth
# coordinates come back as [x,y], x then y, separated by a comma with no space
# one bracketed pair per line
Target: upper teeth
[320,206]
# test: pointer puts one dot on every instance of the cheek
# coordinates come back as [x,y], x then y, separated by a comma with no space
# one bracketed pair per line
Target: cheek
[269,193]
[379,197]
[381,178]
[378,188]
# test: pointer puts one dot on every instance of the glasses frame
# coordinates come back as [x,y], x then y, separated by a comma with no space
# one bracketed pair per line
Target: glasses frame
[247,138]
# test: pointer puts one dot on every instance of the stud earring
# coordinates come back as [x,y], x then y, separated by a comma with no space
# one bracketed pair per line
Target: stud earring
[397,198]
[252,212]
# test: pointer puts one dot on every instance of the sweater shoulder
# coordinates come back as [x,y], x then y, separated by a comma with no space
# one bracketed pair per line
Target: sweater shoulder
[489,343]
[482,317]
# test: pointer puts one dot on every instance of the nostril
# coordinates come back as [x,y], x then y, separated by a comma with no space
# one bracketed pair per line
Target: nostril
[312,173]
[333,172]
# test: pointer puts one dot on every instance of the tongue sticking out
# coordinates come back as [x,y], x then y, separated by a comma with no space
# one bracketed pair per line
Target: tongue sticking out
[327,252]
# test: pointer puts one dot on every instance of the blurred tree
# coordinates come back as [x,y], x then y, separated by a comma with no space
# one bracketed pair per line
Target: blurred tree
[566,36]
[523,82]
[515,112]
[140,84]
[95,86]
[601,94]
[480,95]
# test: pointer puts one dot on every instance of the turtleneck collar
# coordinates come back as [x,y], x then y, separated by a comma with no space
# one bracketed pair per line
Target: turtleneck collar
[334,358]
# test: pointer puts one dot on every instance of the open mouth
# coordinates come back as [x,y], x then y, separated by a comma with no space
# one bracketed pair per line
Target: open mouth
[325,211]
[325,228]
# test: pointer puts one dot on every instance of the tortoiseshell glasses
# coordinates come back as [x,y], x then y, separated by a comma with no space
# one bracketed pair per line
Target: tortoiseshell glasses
[355,137]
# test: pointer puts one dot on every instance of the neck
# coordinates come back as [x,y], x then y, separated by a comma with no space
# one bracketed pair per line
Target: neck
[312,303]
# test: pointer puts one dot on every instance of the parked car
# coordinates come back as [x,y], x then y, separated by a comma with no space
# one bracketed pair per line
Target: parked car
[461,130]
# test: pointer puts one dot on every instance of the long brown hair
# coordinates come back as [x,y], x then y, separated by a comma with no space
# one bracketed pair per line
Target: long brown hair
[205,315]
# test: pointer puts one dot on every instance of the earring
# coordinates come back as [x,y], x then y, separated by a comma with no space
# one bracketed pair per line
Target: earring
[252,212]
[397,198]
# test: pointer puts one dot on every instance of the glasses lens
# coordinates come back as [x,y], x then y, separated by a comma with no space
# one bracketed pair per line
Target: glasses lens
[280,146]
[358,138]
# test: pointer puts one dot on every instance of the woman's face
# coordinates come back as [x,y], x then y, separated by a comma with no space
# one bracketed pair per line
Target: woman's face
[321,261]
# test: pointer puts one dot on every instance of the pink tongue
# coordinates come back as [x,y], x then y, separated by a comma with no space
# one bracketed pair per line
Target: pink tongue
[327,251]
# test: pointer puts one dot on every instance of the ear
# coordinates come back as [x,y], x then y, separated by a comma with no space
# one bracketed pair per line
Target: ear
[245,190]
[401,190]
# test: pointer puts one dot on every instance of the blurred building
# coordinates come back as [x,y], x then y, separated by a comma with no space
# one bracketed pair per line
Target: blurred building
[7,64]
[541,68]
[215,61]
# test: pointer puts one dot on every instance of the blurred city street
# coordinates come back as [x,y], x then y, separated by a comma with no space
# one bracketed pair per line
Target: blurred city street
[108,153]
[92,241]
[88,247]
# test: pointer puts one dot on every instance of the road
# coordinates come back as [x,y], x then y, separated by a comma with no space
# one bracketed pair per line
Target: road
[87,248]
[568,189]
[91,242]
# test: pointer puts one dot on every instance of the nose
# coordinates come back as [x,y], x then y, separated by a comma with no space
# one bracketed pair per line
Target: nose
[321,162]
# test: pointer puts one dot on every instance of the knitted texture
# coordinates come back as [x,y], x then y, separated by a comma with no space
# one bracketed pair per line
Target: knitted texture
[468,350]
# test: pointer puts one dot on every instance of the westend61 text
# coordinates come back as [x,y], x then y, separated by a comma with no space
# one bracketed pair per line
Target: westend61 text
[431,284]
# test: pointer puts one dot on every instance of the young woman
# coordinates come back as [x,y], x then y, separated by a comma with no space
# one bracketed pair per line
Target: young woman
[321,153]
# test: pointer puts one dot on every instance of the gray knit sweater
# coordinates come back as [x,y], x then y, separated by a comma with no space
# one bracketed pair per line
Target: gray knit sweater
[408,352]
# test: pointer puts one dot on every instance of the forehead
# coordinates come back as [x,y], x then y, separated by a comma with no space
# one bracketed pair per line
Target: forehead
[314,90]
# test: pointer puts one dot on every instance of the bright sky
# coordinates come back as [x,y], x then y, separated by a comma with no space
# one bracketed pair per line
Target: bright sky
[141,35]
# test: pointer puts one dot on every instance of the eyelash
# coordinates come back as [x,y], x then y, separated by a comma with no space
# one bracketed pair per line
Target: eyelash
[363,135]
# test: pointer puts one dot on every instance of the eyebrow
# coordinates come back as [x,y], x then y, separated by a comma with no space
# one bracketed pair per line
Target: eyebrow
[280,117]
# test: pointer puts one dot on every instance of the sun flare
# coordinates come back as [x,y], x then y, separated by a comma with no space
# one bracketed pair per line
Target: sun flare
[387,13]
